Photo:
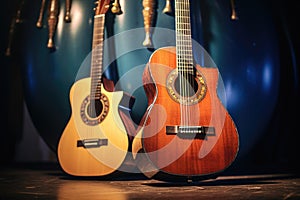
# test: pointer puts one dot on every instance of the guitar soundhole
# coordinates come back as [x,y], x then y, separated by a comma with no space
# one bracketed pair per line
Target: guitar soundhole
[186,86]
[186,89]
[95,108]
[94,111]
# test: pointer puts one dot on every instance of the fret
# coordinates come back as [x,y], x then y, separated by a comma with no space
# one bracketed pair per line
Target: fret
[97,57]
[184,54]
[184,33]
[183,25]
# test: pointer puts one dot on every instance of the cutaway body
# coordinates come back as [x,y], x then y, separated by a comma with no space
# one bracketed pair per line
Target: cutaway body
[182,136]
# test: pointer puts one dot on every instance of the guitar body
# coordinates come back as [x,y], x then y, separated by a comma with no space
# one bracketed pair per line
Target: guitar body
[163,154]
[93,146]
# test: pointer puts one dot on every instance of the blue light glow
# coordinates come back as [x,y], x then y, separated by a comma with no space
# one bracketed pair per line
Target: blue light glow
[267,77]
[30,76]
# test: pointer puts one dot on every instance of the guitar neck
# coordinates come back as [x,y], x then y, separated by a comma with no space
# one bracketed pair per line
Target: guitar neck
[184,53]
[97,56]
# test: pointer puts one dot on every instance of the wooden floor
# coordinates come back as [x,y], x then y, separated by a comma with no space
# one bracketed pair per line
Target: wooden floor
[48,181]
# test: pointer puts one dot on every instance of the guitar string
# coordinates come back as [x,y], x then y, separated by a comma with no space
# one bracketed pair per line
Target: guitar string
[190,74]
[184,58]
[96,67]
[185,64]
[180,63]
[177,13]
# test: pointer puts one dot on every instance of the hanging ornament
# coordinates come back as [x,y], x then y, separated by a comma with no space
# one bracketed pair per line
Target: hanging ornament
[149,13]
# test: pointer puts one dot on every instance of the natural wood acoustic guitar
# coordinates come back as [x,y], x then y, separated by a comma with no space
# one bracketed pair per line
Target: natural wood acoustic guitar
[186,133]
[95,141]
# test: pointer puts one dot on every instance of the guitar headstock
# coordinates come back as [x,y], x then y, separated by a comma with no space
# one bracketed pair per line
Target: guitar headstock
[102,6]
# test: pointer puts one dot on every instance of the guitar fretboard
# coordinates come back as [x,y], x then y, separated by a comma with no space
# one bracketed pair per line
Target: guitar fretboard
[183,37]
[97,57]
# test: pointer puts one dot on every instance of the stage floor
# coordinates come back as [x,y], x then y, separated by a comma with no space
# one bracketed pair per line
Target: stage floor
[48,181]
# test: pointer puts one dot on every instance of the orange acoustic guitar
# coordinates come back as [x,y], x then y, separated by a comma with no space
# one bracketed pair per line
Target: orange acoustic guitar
[95,141]
[186,133]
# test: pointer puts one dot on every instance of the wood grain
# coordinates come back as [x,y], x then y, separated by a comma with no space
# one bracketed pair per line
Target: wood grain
[185,156]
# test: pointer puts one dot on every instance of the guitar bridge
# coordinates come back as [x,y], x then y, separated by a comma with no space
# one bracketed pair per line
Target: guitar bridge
[196,131]
[92,143]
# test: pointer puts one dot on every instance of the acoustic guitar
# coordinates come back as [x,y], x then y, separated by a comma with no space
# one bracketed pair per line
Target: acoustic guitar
[186,133]
[95,141]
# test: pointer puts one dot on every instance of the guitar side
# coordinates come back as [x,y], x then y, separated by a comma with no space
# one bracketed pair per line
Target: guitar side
[164,156]
[107,142]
